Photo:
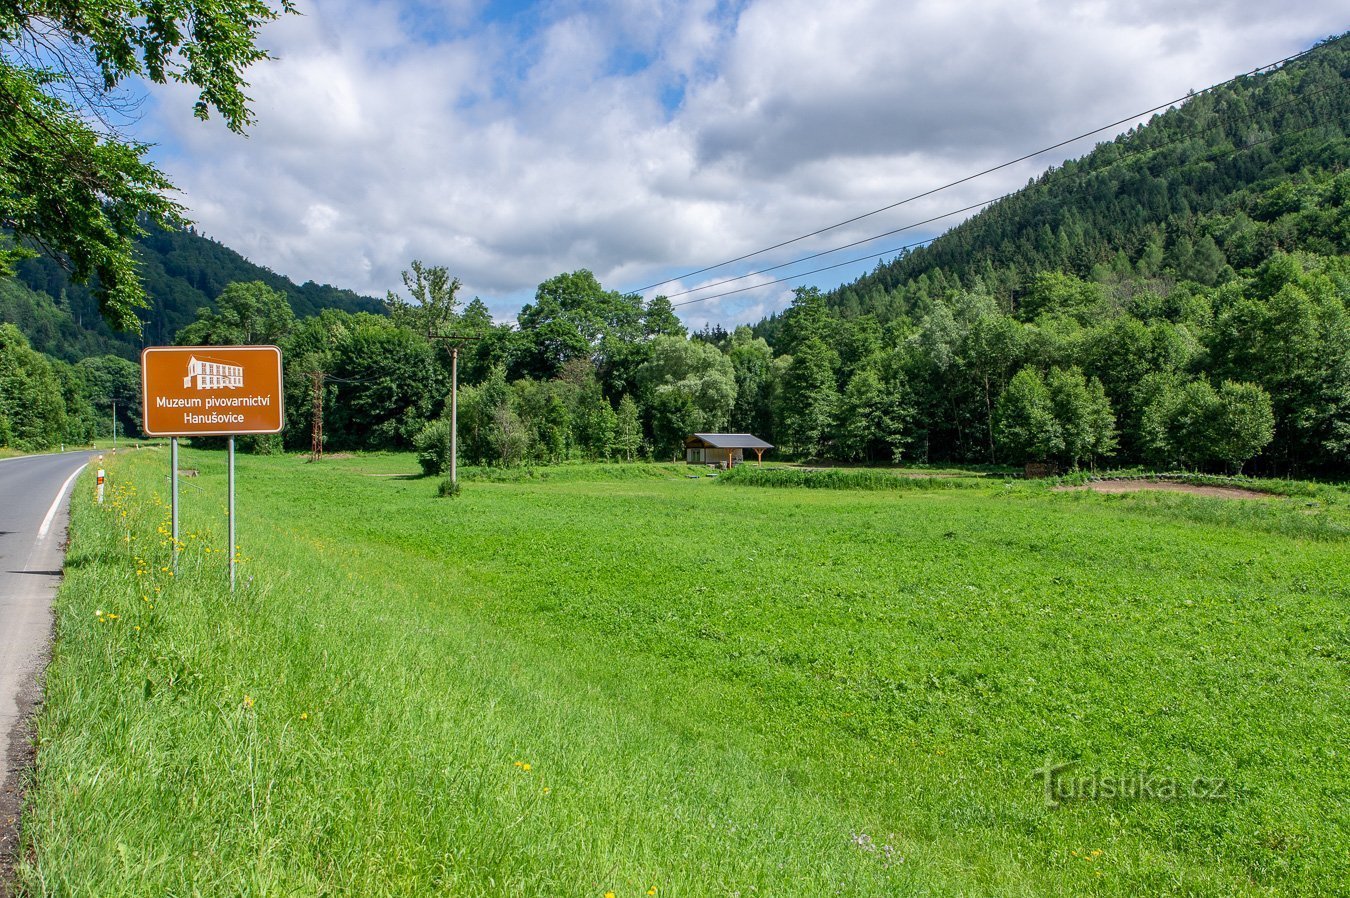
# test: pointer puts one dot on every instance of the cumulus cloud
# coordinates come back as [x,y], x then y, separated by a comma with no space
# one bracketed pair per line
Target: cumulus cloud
[642,139]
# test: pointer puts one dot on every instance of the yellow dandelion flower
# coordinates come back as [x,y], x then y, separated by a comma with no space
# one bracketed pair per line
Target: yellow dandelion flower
[652,890]
[304,715]
[248,701]
[609,895]
[525,767]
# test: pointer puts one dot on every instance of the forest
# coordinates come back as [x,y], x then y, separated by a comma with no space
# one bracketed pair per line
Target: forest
[1177,298]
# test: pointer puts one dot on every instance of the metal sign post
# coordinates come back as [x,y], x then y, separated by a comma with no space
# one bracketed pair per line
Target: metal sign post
[211,391]
[229,481]
[173,500]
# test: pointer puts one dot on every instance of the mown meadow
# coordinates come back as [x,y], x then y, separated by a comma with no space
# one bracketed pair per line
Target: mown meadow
[591,680]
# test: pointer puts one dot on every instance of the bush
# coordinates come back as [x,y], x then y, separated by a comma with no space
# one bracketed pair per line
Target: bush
[433,445]
[448,489]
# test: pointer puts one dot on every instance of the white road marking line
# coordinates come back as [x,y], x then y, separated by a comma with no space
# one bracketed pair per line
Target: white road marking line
[56,503]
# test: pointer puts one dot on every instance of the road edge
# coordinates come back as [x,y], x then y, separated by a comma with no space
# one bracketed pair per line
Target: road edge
[22,739]
[23,765]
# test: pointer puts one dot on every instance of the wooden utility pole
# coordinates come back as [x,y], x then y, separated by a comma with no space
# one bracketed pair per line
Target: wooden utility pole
[454,413]
[456,341]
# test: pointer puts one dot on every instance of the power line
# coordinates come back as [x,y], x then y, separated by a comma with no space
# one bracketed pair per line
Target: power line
[802,274]
[826,252]
[1080,173]
[986,171]
[900,249]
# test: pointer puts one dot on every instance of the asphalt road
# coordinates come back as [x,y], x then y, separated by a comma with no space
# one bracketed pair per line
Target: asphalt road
[34,510]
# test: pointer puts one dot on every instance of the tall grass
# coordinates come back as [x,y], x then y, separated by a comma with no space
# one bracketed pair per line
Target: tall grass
[845,479]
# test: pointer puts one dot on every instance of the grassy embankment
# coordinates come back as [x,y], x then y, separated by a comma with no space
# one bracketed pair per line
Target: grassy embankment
[584,682]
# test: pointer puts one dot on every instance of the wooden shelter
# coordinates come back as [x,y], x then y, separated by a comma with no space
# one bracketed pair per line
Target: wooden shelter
[722,448]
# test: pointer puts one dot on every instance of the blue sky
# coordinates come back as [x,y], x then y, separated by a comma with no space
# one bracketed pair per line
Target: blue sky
[643,139]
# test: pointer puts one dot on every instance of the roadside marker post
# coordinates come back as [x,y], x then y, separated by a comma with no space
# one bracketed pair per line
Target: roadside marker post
[210,391]
[100,485]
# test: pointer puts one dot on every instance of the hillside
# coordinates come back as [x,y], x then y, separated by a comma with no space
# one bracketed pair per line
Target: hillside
[183,271]
[1218,184]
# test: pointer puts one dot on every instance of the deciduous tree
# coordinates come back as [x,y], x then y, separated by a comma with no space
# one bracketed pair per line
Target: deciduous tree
[68,182]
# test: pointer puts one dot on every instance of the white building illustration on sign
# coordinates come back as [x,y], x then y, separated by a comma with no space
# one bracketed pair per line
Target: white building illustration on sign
[213,375]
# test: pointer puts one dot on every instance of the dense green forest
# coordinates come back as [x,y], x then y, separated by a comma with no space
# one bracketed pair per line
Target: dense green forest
[1177,298]
[182,271]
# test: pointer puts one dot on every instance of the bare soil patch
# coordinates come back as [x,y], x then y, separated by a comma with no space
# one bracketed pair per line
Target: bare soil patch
[1167,486]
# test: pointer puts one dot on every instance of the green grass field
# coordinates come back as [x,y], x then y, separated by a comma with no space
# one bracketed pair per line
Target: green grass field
[586,680]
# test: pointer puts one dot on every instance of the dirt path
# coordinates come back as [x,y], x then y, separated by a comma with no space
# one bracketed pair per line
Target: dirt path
[1167,486]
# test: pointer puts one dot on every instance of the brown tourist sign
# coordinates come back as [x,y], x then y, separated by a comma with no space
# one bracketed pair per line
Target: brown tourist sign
[211,390]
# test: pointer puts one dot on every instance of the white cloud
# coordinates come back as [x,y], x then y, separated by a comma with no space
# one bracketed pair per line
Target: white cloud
[642,139]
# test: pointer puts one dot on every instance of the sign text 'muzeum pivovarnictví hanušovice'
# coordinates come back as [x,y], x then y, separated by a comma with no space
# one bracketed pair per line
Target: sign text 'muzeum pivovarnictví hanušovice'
[198,409]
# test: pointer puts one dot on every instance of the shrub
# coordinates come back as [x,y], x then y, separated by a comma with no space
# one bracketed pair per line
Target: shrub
[448,489]
[433,445]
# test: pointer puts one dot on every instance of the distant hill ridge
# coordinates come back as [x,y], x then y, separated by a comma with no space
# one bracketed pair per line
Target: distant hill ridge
[1218,183]
[183,271]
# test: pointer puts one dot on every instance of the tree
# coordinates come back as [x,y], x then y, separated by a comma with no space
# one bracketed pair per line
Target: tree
[659,320]
[873,418]
[477,425]
[1056,292]
[809,318]
[1287,329]
[245,314]
[1192,424]
[809,399]
[752,362]
[555,429]
[1083,414]
[989,353]
[1024,419]
[572,316]
[388,386]
[628,429]
[32,409]
[674,416]
[510,438]
[1243,424]
[433,299]
[699,373]
[68,182]
[108,381]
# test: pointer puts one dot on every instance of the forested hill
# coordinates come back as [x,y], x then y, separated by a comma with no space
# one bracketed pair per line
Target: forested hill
[1217,184]
[183,271]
